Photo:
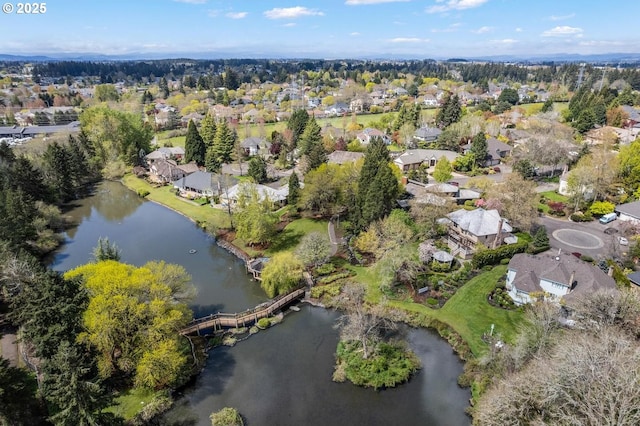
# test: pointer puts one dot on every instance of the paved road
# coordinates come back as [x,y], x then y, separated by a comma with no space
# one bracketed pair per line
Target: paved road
[335,242]
[587,238]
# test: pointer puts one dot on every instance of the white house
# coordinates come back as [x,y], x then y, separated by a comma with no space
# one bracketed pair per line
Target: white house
[368,133]
[556,277]
[629,212]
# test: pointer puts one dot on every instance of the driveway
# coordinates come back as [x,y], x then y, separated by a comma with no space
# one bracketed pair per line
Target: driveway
[587,238]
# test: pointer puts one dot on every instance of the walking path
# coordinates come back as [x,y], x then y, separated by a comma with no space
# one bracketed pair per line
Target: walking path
[335,243]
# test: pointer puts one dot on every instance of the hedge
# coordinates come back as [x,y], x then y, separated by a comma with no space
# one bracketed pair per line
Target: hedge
[494,256]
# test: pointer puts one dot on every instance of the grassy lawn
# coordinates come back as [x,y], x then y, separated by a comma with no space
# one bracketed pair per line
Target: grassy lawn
[289,238]
[129,403]
[468,312]
[210,217]
[471,315]
[553,196]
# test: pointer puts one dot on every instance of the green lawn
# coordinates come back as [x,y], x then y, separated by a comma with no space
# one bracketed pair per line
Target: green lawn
[289,238]
[553,196]
[128,404]
[468,312]
[212,218]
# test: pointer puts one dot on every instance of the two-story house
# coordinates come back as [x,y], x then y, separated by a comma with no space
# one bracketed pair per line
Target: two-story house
[469,228]
[554,277]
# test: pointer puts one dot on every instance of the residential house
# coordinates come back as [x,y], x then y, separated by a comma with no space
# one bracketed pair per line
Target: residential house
[276,195]
[165,170]
[439,193]
[197,184]
[430,101]
[339,108]
[427,134]
[629,212]
[165,153]
[560,277]
[634,116]
[469,228]
[496,151]
[343,157]
[194,116]
[414,158]
[254,146]
[368,133]
[251,116]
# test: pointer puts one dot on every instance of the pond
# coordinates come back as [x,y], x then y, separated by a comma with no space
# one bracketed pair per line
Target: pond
[281,376]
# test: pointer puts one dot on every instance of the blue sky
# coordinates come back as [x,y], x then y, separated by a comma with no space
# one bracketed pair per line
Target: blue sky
[325,29]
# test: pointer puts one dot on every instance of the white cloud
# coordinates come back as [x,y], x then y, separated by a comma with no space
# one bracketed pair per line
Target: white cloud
[354,34]
[289,24]
[600,43]
[483,30]
[561,17]
[408,40]
[519,30]
[454,5]
[450,29]
[563,30]
[506,41]
[237,15]
[291,12]
[192,1]
[359,2]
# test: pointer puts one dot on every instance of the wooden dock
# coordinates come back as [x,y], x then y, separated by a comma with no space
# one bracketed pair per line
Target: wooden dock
[220,321]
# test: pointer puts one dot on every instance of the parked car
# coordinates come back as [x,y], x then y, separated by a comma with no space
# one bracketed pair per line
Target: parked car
[623,241]
[610,217]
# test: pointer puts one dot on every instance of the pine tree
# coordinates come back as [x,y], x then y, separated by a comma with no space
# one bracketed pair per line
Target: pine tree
[377,186]
[223,143]
[164,87]
[59,174]
[479,148]
[258,169]
[450,112]
[208,130]
[194,148]
[294,189]
[297,123]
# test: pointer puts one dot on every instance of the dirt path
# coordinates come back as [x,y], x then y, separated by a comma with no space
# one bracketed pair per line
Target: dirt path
[9,348]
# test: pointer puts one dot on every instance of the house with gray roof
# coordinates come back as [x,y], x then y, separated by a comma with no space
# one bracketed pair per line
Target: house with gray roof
[254,146]
[165,153]
[496,151]
[343,157]
[629,212]
[414,158]
[204,184]
[427,134]
[469,228]
[561,277]
[369,133]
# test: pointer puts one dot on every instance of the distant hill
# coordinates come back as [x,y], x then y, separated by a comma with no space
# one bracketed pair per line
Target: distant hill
[613,58]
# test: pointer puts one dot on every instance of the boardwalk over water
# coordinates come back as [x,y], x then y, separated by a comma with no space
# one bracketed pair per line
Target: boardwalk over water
[221,321]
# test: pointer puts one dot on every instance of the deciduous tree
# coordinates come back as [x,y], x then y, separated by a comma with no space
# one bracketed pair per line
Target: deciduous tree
[314,249]
[282,273]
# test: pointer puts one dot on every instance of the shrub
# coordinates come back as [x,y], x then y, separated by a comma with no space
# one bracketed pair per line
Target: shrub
[226,417]
[326,269]
[586,258]
[158,405]
[505,261]
[326,290]
[581,217]
[601,208]
[387,367]
[331,278]
[432,301]
[492,257]
[556,208]
[143,193]
[264,323]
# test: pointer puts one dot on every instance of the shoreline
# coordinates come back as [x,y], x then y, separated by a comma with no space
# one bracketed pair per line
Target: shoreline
[413,319]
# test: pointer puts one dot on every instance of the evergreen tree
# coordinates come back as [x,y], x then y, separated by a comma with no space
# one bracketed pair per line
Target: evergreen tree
[479,148]
[164,88]
[58,166]
[540,238]
[31,180]
[377,186]
[297,123]
[524,168]
[223,143]
[211,161]
[194,147]
[106,250]
[311,136]
[547,106]
[294,189]
[450,112]
[258,169]
[208,130]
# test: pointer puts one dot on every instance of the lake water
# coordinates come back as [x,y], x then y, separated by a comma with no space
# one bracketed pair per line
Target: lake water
[281,376]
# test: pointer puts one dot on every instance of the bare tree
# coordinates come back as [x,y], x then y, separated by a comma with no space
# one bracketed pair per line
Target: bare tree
[359,323]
